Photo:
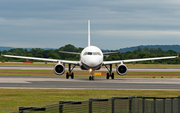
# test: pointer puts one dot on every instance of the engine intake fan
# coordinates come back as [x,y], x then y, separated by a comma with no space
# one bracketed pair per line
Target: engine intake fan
[59,69]
[122,69]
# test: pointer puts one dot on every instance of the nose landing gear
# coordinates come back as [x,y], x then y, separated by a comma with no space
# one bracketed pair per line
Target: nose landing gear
[91,77]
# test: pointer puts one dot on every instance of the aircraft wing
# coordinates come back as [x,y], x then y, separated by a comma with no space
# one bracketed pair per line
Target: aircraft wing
[136,60]
[44,59]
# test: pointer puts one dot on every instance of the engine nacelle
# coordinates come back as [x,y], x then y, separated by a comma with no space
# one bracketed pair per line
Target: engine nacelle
[122,69]
[59,69]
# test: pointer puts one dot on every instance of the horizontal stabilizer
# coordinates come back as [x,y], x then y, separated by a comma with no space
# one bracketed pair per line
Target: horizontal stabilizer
[70,52]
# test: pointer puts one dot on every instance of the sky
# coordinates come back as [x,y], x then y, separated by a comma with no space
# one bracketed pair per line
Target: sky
[115,24]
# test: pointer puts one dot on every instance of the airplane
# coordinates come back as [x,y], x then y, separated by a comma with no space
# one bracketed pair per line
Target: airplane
[91,58]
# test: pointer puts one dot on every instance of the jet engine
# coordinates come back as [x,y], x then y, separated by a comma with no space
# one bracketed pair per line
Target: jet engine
[122,69]
[59,69]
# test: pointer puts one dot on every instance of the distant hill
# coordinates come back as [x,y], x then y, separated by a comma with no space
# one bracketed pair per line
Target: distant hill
[163,47]
[5,48]
[123,50]
[2,48]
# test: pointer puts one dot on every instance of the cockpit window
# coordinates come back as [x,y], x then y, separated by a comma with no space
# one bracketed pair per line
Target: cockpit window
[89,53]
[85,53]
[99,53]
[95,53]
[92,53]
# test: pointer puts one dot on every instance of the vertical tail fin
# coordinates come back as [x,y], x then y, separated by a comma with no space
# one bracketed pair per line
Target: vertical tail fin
[89,33]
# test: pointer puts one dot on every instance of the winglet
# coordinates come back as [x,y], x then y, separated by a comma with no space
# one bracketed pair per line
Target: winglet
[177,55]
[1,54]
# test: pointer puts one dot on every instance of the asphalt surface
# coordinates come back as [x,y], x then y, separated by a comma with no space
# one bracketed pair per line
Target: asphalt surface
[84,83]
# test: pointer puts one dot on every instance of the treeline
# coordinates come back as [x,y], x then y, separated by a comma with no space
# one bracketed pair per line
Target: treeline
[163,47]
[147,53]
[41,53]
[55,54]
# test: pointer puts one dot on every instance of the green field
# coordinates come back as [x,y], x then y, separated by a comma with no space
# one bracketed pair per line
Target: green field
[87,74]
[10,98]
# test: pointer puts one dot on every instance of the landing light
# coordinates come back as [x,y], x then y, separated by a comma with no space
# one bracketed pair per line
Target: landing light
[90,70]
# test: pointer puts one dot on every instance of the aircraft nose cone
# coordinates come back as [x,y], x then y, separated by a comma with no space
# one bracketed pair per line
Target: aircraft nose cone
[93,62]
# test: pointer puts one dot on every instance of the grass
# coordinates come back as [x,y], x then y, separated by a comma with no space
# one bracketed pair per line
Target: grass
[41,97]
[10,98]
[87,74]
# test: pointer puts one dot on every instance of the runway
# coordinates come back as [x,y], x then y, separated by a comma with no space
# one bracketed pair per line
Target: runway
[148,69]
[84,83]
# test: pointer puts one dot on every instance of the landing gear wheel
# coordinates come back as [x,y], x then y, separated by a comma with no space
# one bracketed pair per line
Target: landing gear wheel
[107,76]
[90,78]
[67,75]
[72,75]
[112,76]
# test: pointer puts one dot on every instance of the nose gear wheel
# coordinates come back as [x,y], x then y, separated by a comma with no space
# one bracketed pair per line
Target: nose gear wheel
[91,77]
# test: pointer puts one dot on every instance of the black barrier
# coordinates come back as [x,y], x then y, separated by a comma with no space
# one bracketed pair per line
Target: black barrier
[112,105]
[23,109]
[65,105]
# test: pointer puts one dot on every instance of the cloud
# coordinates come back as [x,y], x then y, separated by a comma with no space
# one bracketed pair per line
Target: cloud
[136,33]
[25,21]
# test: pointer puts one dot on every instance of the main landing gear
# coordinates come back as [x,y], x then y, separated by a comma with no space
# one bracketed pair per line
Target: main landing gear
[110,74]
[70,73]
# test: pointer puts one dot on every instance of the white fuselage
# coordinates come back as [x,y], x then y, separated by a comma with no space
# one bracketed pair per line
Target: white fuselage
[91,58]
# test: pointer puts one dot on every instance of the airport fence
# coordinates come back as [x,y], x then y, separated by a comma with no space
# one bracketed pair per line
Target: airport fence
[112,105]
